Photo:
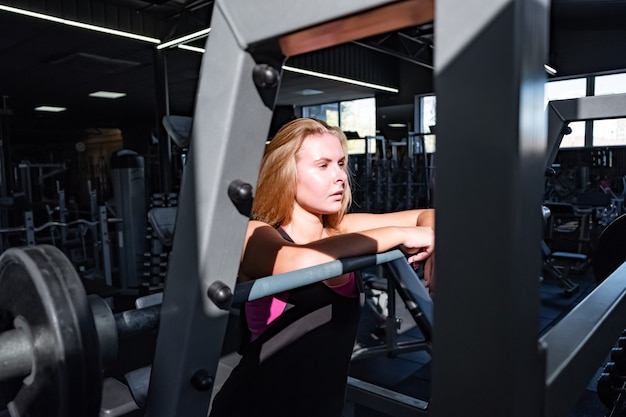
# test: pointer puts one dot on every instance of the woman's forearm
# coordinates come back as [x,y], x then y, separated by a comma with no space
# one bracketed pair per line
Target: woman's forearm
[426,218]
[371,241]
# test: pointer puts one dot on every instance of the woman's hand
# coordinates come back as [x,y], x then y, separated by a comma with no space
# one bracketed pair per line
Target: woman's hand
[429,274]
[419,242]
[420,245]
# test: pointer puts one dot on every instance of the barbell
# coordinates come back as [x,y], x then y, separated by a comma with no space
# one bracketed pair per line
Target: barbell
[54,339]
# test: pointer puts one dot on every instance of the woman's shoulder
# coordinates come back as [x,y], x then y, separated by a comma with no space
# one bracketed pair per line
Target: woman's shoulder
[253,224]
[256,227]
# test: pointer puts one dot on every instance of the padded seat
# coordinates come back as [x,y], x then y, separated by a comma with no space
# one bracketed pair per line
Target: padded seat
[567,223]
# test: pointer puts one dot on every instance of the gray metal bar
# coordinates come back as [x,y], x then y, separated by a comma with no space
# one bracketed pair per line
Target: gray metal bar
[29,224]
[227,143]
[590,108]
[105,241]
[262,287]
[578,344]
[562,112]
[17,353]
[136,321]
[490,151]
[209,231]
[256,22]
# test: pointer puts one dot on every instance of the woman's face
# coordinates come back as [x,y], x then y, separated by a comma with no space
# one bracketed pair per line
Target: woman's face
[321,178]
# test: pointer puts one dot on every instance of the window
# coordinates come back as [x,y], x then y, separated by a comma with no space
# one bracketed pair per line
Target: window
[611,132]
[359,116]
[610,84]
[564,89]
[326,112]
[428,120]
[352,116]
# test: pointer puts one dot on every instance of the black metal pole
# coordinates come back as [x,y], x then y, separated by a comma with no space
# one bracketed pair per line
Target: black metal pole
[162,109]
[6,182]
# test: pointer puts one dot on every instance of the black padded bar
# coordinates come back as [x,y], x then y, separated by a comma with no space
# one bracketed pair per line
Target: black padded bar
[139,320]
[274,284]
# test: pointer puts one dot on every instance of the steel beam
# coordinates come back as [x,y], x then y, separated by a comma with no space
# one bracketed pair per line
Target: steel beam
[563,112]
[491,141]
[226,145]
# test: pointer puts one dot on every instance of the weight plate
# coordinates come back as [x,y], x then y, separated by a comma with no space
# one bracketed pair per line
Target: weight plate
[41,292]
[610,251]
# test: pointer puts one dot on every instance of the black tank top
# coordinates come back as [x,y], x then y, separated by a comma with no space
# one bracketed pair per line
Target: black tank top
[299,365]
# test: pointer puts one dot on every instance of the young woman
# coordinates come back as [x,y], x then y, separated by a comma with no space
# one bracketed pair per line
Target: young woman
[300,342]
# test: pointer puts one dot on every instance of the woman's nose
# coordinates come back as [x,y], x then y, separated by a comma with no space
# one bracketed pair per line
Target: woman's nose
[341,175]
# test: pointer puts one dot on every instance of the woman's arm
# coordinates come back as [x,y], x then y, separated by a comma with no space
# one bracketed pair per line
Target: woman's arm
[266,252]
[419,217]
[355,222]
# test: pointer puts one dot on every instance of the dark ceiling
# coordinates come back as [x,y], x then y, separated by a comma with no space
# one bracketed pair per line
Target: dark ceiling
[47,63]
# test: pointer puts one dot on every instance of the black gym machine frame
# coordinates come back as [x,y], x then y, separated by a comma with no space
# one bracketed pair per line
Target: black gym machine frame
[488,358]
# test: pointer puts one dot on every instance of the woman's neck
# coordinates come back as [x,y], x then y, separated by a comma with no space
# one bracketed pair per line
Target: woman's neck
[305,227]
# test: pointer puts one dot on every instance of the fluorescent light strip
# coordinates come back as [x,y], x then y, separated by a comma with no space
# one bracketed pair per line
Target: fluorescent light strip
[186,38]
[79,24]
[341,79]
[549,69]
[107,94]
[191,48]
[52,109]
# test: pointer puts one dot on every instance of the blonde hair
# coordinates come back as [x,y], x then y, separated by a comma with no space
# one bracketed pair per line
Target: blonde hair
[276,187]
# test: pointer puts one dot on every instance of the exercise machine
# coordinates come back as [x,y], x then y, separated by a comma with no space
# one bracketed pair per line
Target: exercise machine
[559,264]
[245,53]
[520,373]
[389,281]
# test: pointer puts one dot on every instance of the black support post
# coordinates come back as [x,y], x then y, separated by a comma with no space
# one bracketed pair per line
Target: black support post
[491,138]
[162,109]
[6,182]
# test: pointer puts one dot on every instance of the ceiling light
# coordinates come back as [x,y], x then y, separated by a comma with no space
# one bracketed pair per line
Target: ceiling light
[191,48]
[397,125]
[106,94]
[310,92]
[187,38]
[51,109]
[341,79]
[549,69]
[79,24]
